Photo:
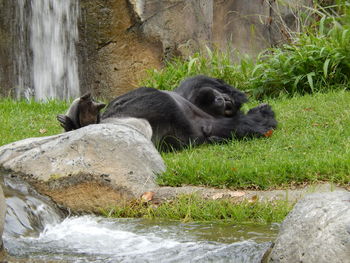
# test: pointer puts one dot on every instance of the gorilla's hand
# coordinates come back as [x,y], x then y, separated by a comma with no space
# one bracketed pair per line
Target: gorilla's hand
[66,123]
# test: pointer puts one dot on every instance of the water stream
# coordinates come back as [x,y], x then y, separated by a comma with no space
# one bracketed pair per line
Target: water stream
[35,228]
[46,60]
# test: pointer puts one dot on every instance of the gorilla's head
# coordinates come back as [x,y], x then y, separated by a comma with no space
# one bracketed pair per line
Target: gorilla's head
[214,102]
[212,95]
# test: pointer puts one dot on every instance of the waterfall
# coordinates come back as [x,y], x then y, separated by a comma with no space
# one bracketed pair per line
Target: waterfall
[22,51]
[51,68]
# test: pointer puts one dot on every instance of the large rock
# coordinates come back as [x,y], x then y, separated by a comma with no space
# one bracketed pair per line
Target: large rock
[87,169]
[316,230]
[120,39]
[113,54]
[2,217]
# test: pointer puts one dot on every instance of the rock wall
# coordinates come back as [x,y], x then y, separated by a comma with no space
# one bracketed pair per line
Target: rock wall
[121,39]
[6,66]
[2,217]
[113,56]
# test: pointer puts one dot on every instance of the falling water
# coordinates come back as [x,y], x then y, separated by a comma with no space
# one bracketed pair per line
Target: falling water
[53,69]
[22,50]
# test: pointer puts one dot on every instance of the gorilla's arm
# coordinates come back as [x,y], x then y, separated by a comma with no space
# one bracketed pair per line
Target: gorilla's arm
[66,123]
[256,123]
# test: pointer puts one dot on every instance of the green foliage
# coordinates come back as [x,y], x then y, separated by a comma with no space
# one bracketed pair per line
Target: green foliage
[211,63]
[193,208]
[23,119]
[311,144]
[317,60]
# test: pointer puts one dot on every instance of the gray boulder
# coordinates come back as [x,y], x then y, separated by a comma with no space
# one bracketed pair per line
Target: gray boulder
[2,217]
[90,168]
[316,230]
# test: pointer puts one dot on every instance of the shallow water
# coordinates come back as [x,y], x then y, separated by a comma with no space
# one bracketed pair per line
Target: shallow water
[35,229]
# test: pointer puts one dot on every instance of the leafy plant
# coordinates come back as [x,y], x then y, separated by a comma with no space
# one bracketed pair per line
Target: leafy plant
[317,59]
[212,63]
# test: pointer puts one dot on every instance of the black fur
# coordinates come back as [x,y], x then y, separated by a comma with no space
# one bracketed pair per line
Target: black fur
[217,98]
[213,96]
[82,112]
[176,122]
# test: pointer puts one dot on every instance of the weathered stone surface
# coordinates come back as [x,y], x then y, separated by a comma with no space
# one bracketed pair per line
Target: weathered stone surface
[87,169]
[286,19]
[178,24]
[316,230]
[113,54]
[289,195]
[2,217]
[7,75]
[122,38]
[242,24]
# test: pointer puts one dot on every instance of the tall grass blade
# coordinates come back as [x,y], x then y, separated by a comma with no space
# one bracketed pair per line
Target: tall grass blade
[325,68]
[310,80]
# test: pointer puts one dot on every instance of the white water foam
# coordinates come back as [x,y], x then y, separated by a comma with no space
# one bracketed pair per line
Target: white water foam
[95,239]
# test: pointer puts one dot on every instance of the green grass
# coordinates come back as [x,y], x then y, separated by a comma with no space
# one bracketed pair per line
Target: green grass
[193,208]
[212,63]
[216,64]
[311,144]
[23,119]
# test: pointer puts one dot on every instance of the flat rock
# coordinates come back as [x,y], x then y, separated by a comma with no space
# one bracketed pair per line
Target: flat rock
[316,230]
[87,169]
[291,195]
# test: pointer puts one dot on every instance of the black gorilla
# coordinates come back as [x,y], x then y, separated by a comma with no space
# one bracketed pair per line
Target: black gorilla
[176,122]
[212,95]
[217,98]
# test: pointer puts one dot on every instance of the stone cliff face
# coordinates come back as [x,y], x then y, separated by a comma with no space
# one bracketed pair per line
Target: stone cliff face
[6,67]
[121,39]
[113,54]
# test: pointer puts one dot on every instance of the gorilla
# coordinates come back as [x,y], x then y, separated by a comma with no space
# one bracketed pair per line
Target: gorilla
[219,99]
[177,122]
[82,112]
[211,95]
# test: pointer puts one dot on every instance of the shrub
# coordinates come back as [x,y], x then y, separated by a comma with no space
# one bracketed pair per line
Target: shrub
[212,63]
[317,60]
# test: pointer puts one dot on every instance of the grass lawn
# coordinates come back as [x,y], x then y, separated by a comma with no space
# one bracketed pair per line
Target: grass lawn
[311,144]
[193,208]
[22,119]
